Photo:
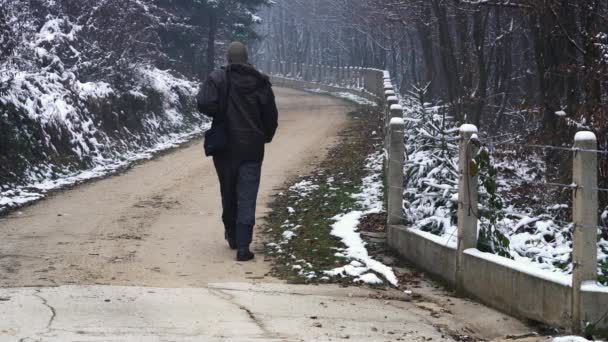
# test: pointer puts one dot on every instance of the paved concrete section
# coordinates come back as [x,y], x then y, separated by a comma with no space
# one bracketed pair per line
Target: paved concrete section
[222,312]
[159,224]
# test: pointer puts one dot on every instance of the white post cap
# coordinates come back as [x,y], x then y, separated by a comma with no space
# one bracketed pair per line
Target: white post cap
[467,128]
[585,136]
[397,121]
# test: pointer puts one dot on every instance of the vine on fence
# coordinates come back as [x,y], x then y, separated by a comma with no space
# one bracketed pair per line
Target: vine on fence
[491,239]
[603,275]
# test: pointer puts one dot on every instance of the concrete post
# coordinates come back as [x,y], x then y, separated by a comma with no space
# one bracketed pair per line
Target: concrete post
[367,84]
[322,74]
[378,82]
[319,73]
[390,101]
[387,94]
[396,158]
[349,77]
[337,75]
[585,218]
[387,112]
[467,198]
[394,111]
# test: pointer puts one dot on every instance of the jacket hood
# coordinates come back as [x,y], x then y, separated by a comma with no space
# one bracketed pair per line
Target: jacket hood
[246,78]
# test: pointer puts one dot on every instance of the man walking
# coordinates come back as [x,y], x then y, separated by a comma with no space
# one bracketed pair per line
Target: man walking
[243,98]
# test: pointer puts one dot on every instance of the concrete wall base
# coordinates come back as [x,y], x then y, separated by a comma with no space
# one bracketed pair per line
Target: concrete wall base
[502,283]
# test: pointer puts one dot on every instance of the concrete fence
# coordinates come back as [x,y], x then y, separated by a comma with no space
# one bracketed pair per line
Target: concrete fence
[523,291]
[356,80]
[555,299]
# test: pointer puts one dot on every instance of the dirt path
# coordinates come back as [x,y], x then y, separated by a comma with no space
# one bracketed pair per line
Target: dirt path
[158,224]
[156,230]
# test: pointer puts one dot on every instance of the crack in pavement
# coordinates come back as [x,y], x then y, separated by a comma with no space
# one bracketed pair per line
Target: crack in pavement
[267,333]
[52,309]
[395,297]
[38,295]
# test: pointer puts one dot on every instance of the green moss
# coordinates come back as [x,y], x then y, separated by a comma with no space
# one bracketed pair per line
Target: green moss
[314,246]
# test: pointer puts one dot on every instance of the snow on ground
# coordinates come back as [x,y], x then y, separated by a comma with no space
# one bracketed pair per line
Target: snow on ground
[59,116]
[570,339]
[370,200]
[347,96]
[23,194]
[355,98]
[535,222]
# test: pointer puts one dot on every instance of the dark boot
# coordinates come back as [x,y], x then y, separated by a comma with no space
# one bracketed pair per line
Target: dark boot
[231,240]
[244,254]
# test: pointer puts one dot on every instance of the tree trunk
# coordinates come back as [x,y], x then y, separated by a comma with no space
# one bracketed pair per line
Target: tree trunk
[211,41]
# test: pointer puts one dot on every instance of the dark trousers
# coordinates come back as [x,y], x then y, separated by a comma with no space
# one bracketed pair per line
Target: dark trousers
[239,185]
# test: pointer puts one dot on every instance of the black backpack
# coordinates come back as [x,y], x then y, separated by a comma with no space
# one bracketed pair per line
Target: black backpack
[216,138]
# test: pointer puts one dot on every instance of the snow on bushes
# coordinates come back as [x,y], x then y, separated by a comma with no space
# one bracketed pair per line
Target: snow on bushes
[59,127]
[431,170]
[520,216]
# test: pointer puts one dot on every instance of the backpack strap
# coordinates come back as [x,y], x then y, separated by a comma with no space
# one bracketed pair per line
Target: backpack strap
[226,96]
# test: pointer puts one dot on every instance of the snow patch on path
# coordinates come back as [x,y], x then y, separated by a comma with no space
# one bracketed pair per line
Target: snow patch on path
[570,339]
[370,200]
[347,96]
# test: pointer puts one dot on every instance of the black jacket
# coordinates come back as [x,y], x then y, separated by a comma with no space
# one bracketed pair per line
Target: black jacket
[251,117]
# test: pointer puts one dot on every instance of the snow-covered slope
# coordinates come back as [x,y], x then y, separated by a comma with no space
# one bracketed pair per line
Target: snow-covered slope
[75,106]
